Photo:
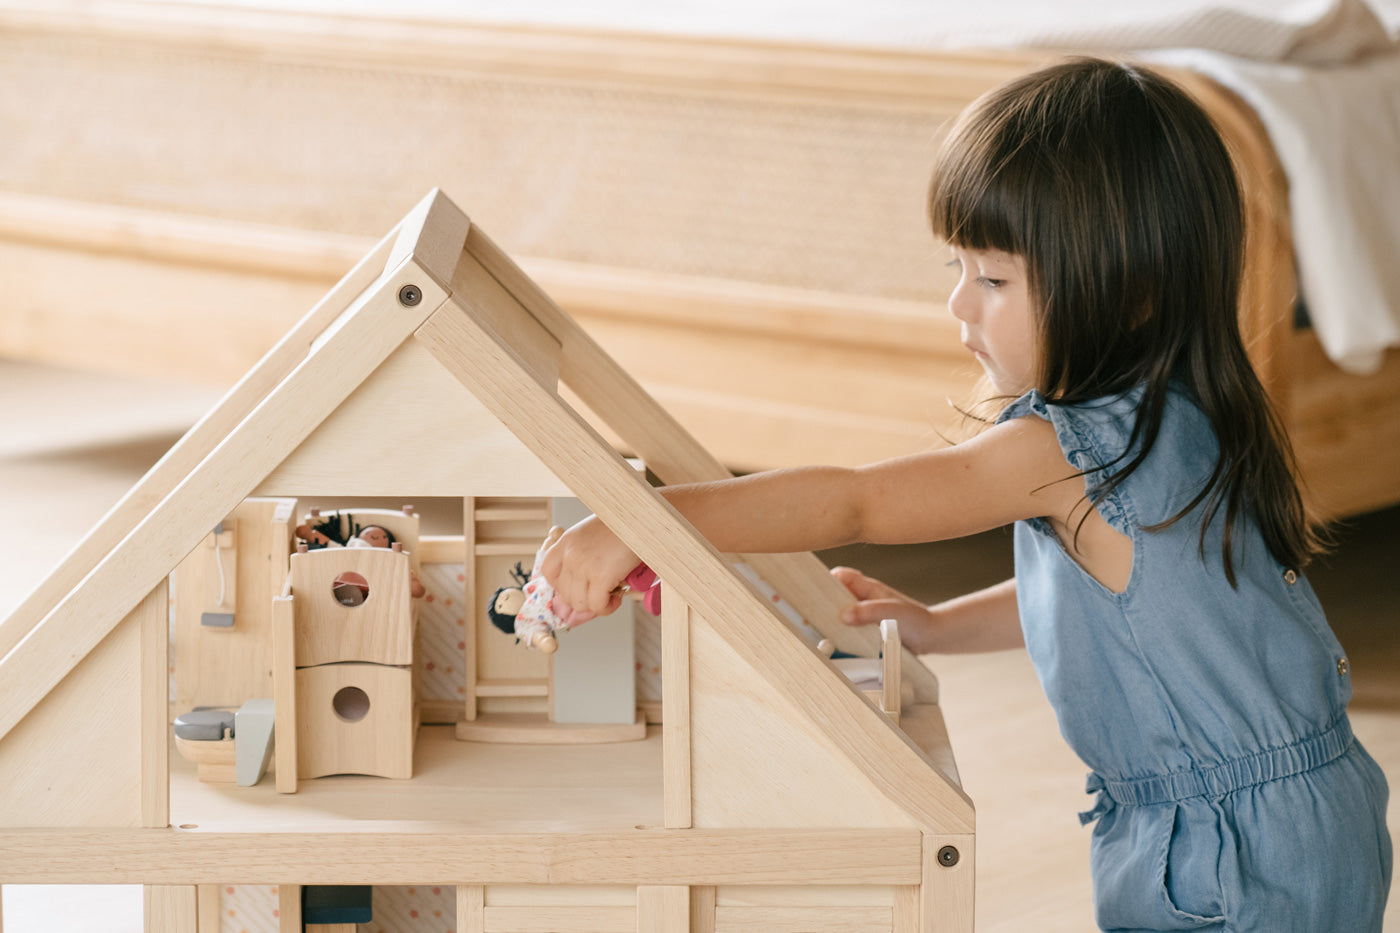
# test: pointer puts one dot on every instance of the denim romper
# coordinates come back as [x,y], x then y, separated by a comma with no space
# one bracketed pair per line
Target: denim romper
[1230,793]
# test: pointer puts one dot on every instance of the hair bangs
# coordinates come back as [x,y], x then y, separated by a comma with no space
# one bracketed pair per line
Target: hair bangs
[973,201]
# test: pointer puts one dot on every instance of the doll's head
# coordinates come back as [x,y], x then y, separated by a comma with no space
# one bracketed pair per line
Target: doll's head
[506,602]
[504,607]
[376,536]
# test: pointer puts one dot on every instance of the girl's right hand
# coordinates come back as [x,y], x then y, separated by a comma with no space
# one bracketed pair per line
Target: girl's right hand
[586,567]
[876,601]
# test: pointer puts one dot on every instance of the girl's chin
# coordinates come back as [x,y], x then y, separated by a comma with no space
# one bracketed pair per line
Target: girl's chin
[1009,388]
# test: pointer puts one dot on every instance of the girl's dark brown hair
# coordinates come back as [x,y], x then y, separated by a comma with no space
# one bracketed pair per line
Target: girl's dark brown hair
[1118,192]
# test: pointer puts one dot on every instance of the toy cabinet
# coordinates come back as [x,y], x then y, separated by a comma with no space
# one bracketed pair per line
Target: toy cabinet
[772,794]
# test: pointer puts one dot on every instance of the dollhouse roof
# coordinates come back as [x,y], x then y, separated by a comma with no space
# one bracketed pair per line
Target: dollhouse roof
[438,318]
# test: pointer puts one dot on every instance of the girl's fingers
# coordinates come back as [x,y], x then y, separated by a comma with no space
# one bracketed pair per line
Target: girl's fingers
[599,597]
[861,586]
[876,601]
[570,617]
[871,611]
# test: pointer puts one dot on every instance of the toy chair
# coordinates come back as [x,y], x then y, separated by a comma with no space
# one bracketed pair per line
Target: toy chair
[342,676]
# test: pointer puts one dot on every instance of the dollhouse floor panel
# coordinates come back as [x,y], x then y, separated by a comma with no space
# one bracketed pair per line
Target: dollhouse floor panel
[471,786]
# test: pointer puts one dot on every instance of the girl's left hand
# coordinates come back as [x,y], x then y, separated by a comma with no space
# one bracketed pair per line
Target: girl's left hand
[586,567]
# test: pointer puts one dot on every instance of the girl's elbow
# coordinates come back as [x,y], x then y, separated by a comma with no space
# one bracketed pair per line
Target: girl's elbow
[863,522]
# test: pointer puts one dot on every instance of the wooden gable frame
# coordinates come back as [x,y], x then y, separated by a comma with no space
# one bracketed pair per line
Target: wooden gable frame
[437,282]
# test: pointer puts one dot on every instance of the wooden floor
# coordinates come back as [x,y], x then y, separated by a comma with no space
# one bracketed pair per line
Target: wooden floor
[71,445]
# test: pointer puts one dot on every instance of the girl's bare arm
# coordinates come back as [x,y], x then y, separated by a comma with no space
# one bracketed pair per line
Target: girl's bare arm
[1011,471]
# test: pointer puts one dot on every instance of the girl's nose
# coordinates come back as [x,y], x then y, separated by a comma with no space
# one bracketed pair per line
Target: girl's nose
[960,303]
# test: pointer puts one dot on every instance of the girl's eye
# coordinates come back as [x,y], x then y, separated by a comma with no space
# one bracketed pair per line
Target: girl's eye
[991,283]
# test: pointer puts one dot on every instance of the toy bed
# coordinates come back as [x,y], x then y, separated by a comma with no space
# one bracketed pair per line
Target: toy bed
[729,200]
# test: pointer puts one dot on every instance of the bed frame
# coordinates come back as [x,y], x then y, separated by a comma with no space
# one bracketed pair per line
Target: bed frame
[739,223]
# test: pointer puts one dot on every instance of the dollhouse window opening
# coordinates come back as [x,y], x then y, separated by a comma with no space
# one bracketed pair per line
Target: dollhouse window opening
[350,704]
[350,589]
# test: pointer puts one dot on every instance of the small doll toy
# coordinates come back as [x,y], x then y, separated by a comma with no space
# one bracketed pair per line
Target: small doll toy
[325,530]
[527,610]
[505,608]
[524,610]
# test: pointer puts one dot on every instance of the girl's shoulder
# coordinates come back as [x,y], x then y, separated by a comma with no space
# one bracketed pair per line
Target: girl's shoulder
[1091,434]
[1106,427]
[1100,437]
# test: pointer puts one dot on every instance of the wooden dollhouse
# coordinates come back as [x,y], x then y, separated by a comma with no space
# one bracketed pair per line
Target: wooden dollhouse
[761,790]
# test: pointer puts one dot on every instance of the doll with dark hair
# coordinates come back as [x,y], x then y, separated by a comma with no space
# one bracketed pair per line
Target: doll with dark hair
[505,608]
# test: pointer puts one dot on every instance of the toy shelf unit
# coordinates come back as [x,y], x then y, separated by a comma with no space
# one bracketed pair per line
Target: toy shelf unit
[424,746]
[505,534]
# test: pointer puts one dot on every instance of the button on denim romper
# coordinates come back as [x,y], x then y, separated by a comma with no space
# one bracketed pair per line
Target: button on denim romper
[1231,795]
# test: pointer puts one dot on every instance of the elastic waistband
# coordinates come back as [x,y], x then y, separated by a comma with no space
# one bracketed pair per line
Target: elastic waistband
[1269,765]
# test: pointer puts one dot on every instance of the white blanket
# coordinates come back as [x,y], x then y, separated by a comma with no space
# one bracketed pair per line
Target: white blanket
[1337,134]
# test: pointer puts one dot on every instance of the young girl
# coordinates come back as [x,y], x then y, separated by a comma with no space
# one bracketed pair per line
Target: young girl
[1094,215]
